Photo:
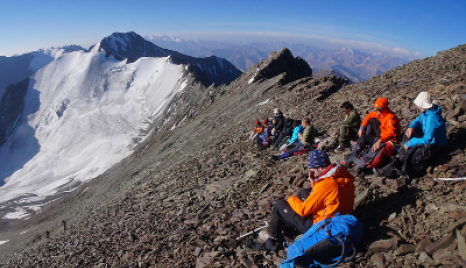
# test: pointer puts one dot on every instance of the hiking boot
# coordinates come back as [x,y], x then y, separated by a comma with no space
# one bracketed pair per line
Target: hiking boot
[264,235]
[341,148]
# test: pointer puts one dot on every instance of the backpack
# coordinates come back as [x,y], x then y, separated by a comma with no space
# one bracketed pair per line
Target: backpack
[327,243]
[409,163]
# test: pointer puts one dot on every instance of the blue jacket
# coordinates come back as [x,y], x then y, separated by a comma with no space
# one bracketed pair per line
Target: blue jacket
[433,128]
[294,136]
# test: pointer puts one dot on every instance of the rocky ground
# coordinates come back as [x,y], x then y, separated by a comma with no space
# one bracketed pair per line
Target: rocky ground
[197,184]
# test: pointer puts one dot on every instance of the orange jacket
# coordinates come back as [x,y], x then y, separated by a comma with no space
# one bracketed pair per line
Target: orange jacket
[258,130]
[390,127]
[332,193]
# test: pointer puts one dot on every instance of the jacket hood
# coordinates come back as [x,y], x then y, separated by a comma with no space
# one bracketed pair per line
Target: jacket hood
[435,110]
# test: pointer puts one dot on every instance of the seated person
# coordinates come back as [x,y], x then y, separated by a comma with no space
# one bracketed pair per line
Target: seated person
[278,122]
[262,139]
[380,129]
[428,127]
[424,136]
[332,192]
[257,130]
[299,139]
[347,129]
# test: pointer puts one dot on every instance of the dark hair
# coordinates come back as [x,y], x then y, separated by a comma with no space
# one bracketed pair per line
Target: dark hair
[347,105]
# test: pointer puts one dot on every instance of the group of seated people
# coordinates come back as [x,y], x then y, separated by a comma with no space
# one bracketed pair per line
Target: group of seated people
[332,186]
[272,133]
[373,141]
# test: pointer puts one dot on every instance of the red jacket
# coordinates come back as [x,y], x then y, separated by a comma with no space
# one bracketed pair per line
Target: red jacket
[333,192]
[390,127]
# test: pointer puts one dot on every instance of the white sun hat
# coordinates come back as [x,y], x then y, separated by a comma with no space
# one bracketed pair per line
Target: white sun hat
[423,100]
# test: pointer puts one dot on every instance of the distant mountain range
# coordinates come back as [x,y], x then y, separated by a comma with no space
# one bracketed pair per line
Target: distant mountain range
[354,64]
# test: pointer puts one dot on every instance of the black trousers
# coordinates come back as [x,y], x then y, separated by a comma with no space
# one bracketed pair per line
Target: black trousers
[368,138]
[283,216]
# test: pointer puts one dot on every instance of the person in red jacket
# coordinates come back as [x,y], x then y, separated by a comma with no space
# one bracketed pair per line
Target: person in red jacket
[332,192]
[380,128]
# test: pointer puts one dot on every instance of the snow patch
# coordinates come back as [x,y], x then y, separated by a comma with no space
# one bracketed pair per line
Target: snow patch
[3,242]
[108,103]
[18,214]
[262,103]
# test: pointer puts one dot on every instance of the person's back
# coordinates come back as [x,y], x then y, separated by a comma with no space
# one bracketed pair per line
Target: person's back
[331,194]
[433,127]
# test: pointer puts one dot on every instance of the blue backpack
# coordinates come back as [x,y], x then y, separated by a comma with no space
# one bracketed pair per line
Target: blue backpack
[327,243]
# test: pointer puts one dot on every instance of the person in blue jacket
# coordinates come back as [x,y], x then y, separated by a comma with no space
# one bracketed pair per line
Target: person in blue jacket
[428,127]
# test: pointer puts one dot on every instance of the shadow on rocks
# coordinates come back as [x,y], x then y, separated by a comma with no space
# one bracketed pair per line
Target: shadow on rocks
[377,213]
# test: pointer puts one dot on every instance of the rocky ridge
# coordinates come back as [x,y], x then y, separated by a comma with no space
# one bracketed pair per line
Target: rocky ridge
[185,196]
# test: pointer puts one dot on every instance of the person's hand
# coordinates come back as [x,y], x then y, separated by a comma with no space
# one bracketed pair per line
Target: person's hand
[409,132]
[336,131]
[360,132]
[405,147]
[376,146]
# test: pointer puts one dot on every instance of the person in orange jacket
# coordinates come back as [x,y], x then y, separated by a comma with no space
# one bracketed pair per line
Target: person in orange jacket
[332,192]
[379,127]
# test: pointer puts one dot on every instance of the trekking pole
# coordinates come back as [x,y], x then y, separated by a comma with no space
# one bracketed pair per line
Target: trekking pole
[253,231]
[451,179]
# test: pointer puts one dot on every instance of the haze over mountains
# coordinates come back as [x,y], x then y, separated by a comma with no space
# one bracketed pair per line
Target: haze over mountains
[354,64]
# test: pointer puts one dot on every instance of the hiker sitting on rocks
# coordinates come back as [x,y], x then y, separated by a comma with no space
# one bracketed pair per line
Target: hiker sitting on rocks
[257,130]
[347,130]
[332,192]
[303,136]
[424,136]
[381,130]
[278,122]
[262,139]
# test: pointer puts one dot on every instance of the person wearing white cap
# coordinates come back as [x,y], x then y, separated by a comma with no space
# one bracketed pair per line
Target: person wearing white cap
[428,127]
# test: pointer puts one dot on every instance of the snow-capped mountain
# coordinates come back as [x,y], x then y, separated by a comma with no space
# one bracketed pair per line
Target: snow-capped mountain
[17,68]
[86,110]
[132,46]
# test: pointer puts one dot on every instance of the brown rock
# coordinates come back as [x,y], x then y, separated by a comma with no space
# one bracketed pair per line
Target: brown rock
[384,245]
[404,249]
[424,258]
[441,243]
[377,258]
[422,245]
[461,245]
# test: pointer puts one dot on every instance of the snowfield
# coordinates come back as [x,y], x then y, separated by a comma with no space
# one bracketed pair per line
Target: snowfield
[81,114]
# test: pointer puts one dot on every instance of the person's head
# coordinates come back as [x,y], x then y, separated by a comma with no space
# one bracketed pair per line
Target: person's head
[295,123]
[423,101]
[381,105]
[265,122]
[346,106]
[317,161]
[305,122]
[257,124]
[276,111]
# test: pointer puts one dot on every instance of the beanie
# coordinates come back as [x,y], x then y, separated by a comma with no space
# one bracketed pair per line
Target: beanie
[276,111]
[318,158]
[423,100]
[265,122]
[258,124]
[381,102]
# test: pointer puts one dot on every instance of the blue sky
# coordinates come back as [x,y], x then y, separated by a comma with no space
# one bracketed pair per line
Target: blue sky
[406,28]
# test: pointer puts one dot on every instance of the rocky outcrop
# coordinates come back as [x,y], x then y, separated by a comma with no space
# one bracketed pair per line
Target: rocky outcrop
[11,108]
[278,63]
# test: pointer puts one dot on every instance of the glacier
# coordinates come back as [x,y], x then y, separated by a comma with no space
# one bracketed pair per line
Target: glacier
[84,112]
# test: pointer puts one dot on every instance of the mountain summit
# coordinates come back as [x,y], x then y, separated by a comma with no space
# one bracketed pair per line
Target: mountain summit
[132,47]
